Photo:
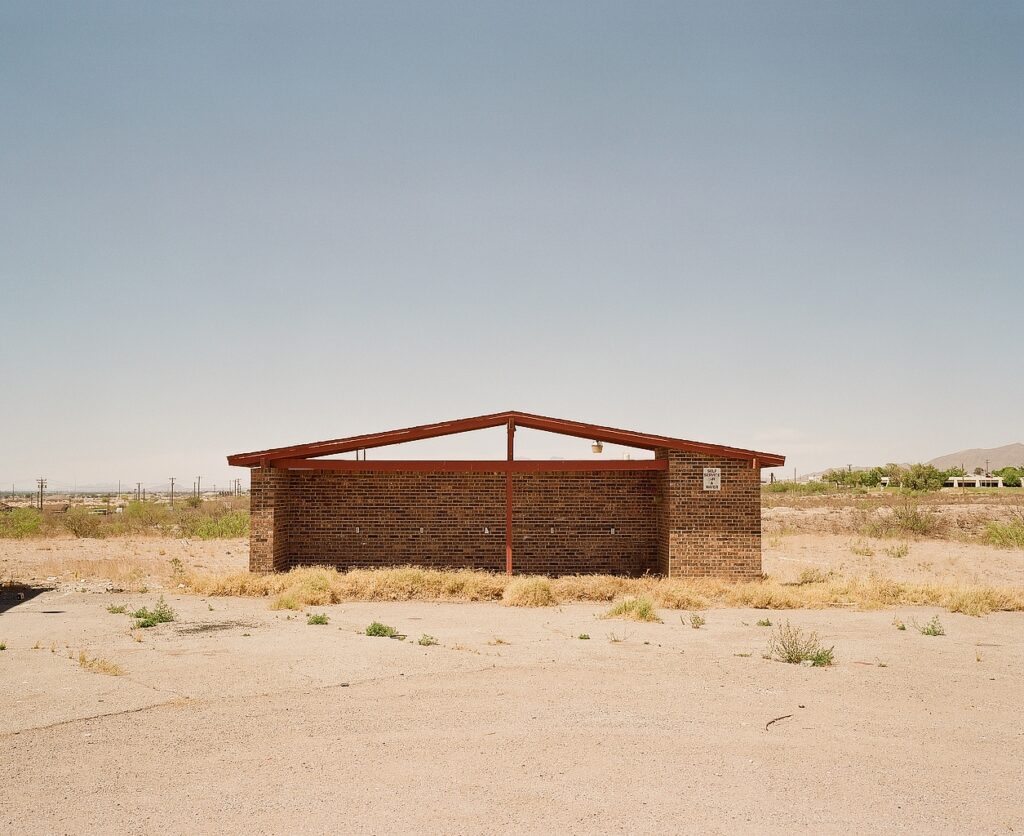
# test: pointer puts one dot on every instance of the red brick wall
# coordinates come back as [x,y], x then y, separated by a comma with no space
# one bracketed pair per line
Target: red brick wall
[562,522]
[710,533]
[620,522]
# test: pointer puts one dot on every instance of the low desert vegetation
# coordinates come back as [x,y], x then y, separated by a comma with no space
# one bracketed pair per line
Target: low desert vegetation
[208,520]
[317,618]
[117,609]
[634,609]
[791,644]
[906,520]
[529,592]
[583,637]
[697,620]
[932,627]
[764,622]
[98,665]
[381,630]
[1008,535]
[319,586]
[160,614]
[427,641]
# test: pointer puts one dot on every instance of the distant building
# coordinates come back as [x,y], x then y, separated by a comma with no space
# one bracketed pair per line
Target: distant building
[972,481]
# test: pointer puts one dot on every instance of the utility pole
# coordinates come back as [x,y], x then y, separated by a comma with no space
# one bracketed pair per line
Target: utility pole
[41,481]
[138,491]
[987,473]
[118,490]
[199,488]
[172,491]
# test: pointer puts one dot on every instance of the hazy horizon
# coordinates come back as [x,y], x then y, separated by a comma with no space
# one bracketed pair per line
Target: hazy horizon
[791,227]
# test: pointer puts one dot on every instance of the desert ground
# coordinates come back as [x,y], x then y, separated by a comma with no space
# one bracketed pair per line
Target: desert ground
[235,716]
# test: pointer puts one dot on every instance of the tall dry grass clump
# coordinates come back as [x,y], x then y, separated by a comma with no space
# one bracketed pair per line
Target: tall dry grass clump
[529,592]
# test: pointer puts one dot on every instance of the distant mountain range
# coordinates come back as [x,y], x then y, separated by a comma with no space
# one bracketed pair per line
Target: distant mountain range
[1009,455]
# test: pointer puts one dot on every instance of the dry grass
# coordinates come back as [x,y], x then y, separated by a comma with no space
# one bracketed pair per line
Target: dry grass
[529,592]
[634,609]
[97,665]
[304,587]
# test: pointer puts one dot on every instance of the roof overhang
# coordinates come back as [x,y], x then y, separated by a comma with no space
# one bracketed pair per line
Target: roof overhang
[610,435]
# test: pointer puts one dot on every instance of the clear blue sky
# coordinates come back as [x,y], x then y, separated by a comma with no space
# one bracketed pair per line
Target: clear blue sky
[791,226]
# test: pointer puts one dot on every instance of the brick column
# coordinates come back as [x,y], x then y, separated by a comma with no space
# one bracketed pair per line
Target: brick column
[268,529]
[709,533]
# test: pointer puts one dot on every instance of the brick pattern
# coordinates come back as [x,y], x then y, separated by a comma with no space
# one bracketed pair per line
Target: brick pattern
[268,538]
[710,533]
[357,519]
[618,522]
[586,523]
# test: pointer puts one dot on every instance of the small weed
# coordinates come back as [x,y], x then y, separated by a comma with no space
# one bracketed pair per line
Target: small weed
[977,655]
[899,625]
[160,614]
[427,641]
[899,550]
[37,646]
[177,567]
[615,638]
[116,609]
[496,641]
[813,575]
[98,665]
[583,637]
[381,630]
[636,609]
[790,644]
[863,549]
[742,655]
[317,618]
[933,627]
[764,622]
[697,620]
[3,646]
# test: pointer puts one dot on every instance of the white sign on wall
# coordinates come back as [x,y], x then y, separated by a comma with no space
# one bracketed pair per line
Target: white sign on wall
[712,478]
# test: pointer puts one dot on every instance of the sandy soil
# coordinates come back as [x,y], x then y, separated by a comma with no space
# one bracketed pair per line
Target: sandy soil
[784,557]
[238,718]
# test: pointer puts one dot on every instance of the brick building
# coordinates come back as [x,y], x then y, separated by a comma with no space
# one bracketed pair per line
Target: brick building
[692,510]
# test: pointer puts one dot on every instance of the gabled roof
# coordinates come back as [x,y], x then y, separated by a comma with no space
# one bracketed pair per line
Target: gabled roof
[628,438]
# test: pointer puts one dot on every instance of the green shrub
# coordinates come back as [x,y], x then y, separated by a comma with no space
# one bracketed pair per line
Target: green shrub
[697,620]
[81,523]
[160,614]
[798,487]
[1007,535]
[583,636]
[933,627]
[905,520]
[427,641]
[381,630]
[317,618]
[790,644]
[116,609]
[20,522]
[764,622]
[221,527]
